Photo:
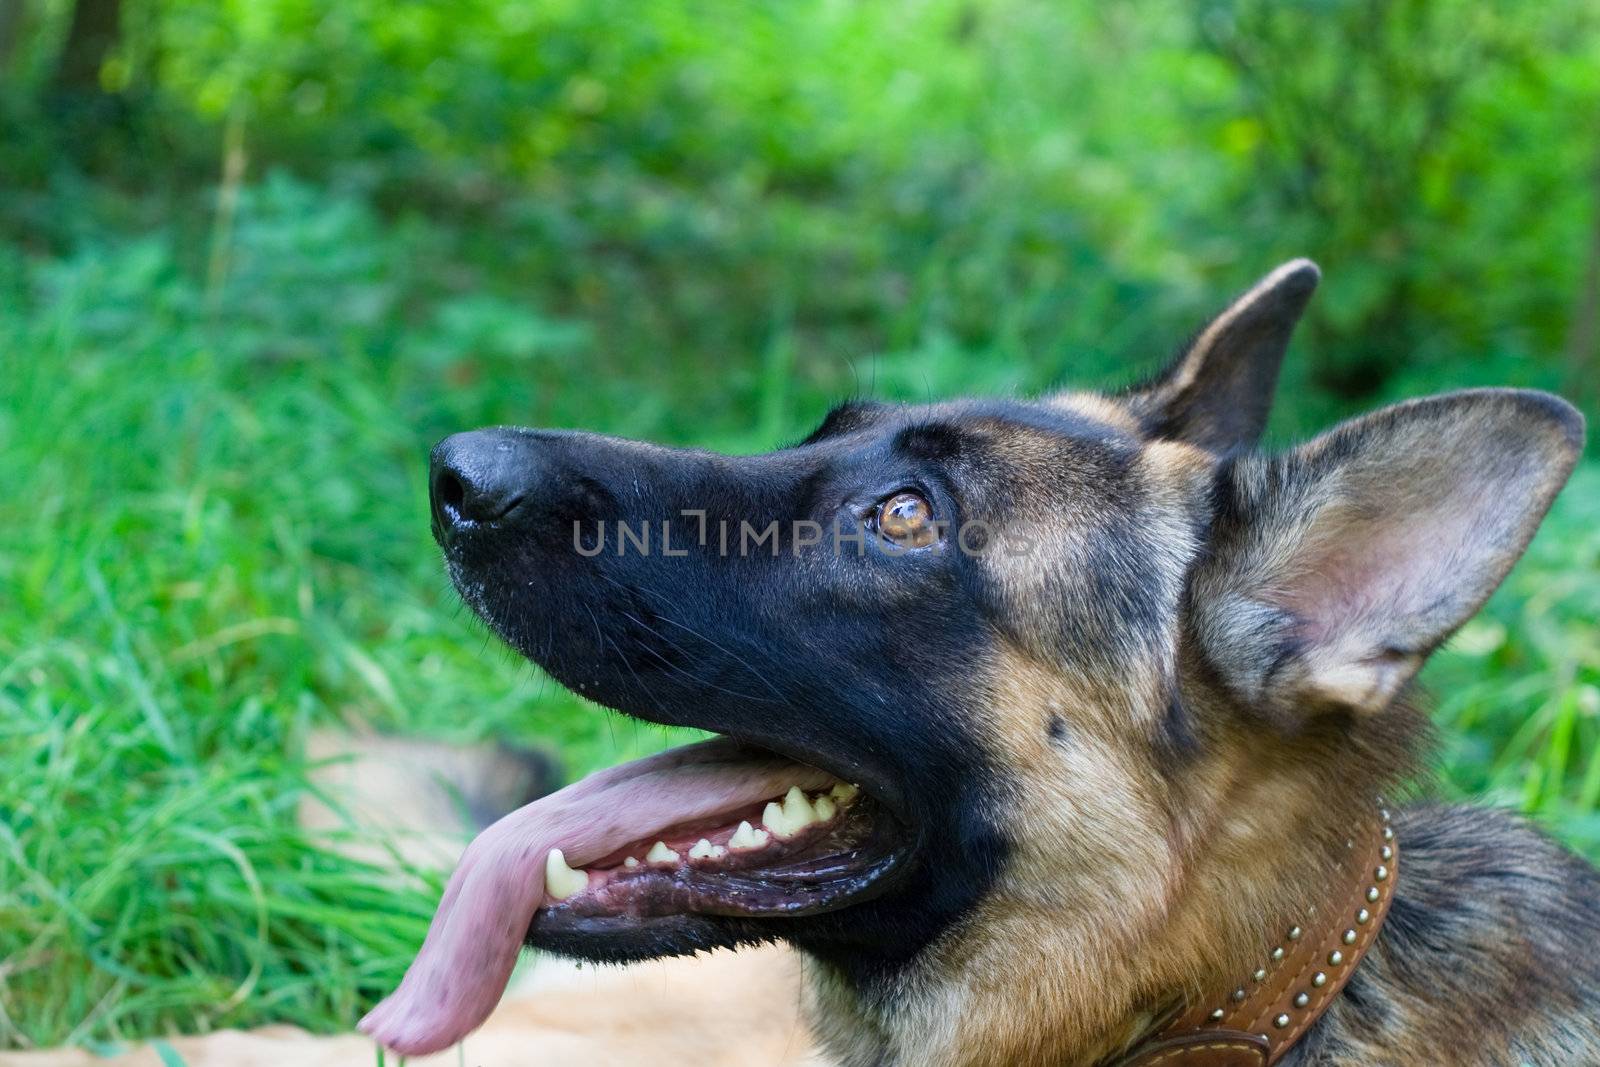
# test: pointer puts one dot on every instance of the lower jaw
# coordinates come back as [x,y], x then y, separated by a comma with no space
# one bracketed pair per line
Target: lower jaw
[691,910]
[688,910]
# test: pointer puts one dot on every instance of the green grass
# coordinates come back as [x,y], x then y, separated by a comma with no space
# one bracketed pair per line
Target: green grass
[219,540]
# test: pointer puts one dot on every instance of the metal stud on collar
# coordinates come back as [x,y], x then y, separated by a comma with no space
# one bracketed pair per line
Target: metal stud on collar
[1268,1006]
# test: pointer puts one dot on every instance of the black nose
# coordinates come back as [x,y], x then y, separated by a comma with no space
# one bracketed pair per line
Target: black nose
[479,477]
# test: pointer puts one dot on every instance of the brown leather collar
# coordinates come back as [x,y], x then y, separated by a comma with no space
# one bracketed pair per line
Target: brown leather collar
[1259,1021]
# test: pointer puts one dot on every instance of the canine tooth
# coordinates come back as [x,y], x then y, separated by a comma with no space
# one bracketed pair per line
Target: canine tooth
[797,809]
[702,849]
[630,863]
[748,837]
[844,792]
[561,881]
[825,807]
[660,853]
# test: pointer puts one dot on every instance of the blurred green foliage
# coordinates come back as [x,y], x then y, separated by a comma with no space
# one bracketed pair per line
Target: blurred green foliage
[277,248]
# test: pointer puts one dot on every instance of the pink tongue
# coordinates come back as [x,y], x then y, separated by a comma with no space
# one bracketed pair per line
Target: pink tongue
[466,959]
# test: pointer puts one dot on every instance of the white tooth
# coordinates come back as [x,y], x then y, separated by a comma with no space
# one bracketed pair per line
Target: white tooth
[660,853]
[630,863]
[775,820]
[702,849]
[798,809]
[844,792]
[718,851]
[747,837]
[561,881]
[825,807]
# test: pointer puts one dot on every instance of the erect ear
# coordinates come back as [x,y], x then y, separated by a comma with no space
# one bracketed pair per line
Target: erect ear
[1218,392]
[1337,568]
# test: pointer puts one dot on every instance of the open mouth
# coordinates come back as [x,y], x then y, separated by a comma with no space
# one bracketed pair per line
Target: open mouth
[718,828]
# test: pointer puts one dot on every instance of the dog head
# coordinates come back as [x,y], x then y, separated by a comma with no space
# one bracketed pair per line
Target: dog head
[1087,657]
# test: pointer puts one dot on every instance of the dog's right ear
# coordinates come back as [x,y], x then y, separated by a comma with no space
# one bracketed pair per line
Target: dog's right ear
[1336,569]
[1218,392]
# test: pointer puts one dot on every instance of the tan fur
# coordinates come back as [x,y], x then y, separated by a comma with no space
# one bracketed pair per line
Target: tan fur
[1124,888]
[1099,408]
[382,798]
[1130,890]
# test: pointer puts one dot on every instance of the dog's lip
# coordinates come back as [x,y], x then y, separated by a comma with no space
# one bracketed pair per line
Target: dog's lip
[895,842]
[840,863]
[896,838]
[880,863]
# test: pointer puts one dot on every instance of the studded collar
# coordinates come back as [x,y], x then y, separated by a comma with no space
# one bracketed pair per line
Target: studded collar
[1256,1023]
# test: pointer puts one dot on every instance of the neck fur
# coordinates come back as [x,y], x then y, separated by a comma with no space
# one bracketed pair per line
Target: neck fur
[1129,895]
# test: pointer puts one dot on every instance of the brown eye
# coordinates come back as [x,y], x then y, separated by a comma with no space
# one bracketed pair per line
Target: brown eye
[906,520]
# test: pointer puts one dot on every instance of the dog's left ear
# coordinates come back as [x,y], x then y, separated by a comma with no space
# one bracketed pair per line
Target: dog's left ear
[1336,569]
[1218,392]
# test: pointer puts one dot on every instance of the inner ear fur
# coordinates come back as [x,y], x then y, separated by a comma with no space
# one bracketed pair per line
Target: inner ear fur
[1217,394]
[1337,568]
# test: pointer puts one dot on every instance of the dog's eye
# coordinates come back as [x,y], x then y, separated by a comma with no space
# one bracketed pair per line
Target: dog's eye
[906,520]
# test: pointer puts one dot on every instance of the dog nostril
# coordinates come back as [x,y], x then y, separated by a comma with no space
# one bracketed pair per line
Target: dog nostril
[451,493]
[479,477]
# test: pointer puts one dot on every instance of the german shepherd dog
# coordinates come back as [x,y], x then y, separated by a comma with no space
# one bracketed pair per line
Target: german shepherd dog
[1041,720]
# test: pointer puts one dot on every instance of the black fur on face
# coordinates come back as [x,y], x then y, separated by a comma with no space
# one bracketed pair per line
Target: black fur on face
[755,597]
